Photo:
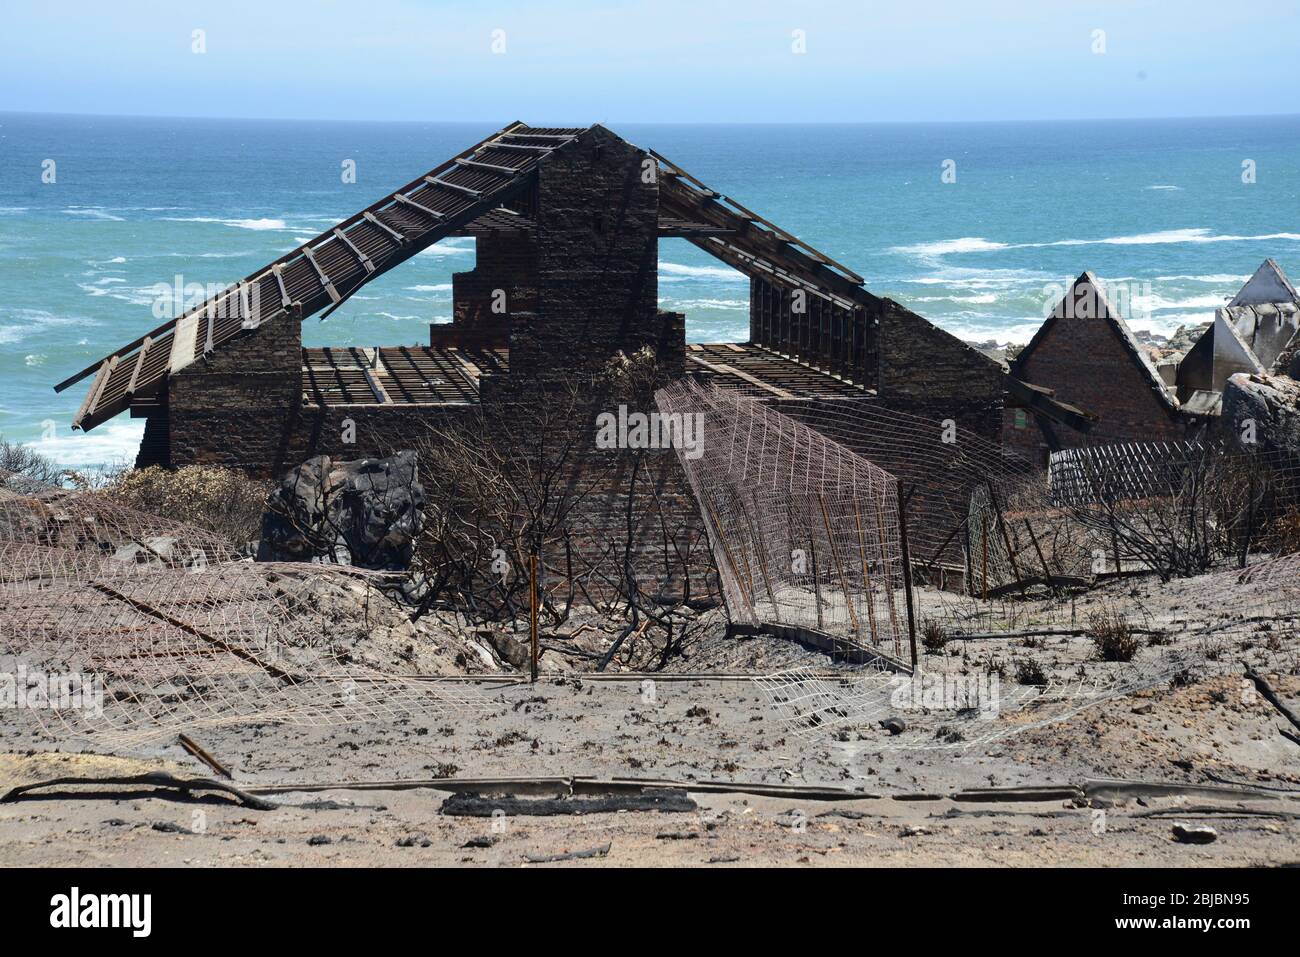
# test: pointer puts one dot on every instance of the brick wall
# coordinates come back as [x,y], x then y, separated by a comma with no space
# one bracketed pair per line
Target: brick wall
[239,407]
[1086,363]
[598,244]
[503,261]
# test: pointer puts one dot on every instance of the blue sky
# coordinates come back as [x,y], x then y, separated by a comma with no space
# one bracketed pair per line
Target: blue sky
[581,61]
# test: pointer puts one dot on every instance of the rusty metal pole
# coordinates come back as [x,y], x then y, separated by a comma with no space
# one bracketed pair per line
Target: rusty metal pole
[907,578]
[532,613]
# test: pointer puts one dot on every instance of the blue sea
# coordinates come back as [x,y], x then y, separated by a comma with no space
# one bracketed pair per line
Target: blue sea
[136,202]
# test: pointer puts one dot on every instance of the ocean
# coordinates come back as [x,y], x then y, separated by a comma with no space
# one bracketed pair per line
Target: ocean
[1158,206]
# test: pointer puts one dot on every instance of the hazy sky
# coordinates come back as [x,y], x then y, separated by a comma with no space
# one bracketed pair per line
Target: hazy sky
[584,61]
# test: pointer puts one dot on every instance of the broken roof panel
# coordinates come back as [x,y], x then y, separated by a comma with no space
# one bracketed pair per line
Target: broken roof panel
[322,273]
[1269,284]
[1267,328]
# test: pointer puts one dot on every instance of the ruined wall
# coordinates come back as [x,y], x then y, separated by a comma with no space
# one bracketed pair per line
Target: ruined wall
[238,408]
[1087,364]
[927,372]
[503,260]
[598,241]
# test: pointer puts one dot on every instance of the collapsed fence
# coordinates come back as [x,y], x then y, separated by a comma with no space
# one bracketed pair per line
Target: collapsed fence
[805,533]
[1180,508]
[120,626]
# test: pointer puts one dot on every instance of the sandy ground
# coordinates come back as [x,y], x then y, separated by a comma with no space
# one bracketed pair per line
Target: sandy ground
[692,731]
[1204,728]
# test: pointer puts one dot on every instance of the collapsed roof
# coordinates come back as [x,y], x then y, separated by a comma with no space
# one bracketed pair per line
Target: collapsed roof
[1258,332]
[483,189]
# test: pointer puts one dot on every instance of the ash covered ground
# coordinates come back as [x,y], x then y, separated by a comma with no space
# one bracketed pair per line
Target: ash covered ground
[703,724]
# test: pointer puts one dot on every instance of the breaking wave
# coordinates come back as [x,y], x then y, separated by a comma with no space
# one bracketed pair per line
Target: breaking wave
[259,225]
[973,244]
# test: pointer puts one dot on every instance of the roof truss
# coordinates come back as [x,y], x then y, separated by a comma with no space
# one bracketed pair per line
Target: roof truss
[322,273]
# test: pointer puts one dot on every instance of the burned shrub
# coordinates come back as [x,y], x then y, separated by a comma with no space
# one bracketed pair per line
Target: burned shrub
[21,460]
[1029,672]
[933,636]
[220,500]
[1113,636]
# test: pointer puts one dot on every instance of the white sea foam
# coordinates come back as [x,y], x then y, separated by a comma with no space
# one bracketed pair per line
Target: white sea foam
[254,224]
[448,247]
[437,287]
[1157,303]
[982,299]
[137,297]
[1216,278]
[701,272]
[112,442]
[728,304]
[1001,329]
[1164,187]
[967,244]
[1161,237]
[94,212]
[33,320]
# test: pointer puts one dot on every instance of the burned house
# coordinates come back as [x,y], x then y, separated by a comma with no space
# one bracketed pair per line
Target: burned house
[567,223]
[1087,355]
[1257,332]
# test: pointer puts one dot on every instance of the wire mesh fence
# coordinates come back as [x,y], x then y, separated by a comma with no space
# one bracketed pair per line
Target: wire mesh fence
[1180,508]
[805,532]
[120,626]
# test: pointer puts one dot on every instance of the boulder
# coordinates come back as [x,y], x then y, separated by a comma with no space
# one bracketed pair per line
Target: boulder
[364,513]
[1267,407]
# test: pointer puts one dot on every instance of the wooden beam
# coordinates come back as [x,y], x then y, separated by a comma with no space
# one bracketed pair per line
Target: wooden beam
[285,301]
[498,145]
[722,368]
[361,257]
[247,319]
[407,201]
[211,315]
[376,221]
[434,181]
[479,164]
[546,136]
[381,394]
[92,394]
[321,274]
[139,364]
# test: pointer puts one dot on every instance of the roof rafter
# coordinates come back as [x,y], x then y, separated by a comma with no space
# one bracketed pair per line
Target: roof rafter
[325,271]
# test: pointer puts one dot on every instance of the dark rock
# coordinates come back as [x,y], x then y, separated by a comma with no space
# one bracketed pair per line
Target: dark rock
[316,840]
[364,513]
[894,725]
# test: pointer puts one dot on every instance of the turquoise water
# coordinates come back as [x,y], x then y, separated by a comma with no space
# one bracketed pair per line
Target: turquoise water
[1157,205]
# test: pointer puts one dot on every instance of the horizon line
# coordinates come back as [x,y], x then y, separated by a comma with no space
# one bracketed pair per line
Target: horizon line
[450,122]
